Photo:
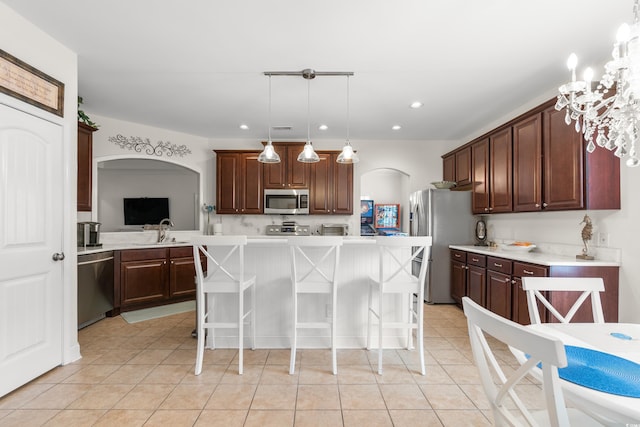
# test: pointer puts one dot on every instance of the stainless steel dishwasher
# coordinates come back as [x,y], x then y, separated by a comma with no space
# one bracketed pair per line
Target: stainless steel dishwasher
[95,287]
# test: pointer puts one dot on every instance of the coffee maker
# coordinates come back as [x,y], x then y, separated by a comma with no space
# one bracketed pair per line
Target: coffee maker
[89,234]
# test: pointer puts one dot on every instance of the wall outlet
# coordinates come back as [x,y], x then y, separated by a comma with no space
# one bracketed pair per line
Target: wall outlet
[603,240]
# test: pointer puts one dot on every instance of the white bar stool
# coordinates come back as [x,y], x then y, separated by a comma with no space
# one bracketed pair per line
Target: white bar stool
[314,270]
[397,254]
[225,275]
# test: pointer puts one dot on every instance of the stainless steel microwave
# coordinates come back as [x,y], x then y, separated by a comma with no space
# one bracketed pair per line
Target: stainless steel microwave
[286,202]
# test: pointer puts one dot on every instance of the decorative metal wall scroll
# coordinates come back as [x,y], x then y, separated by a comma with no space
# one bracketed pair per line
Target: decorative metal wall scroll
[139,145]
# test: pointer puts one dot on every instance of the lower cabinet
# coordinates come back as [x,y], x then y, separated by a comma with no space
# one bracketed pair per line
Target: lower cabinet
[150,277]
[497,285]
[477,278]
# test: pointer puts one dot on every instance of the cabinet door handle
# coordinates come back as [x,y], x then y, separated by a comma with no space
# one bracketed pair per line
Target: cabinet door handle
[528,272]
[495,264]
[475,259]
[457,255]
[513,282]
[486,209]
[544,205]
[537,205]
[507,280]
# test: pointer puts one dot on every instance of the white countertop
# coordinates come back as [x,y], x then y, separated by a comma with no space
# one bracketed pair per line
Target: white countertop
[534,257]
[252,240]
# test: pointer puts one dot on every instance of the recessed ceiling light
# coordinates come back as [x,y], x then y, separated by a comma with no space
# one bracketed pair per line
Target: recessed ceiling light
[396,127]
[416,104]
[244,127]
[323,127]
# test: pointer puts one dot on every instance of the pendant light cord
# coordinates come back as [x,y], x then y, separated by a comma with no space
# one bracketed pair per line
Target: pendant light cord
[348,109]
[269,109]
[309,111]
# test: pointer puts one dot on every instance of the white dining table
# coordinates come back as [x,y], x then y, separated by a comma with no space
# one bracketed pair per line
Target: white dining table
[608,408]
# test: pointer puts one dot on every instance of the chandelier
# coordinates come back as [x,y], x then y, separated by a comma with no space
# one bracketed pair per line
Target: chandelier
[610,113]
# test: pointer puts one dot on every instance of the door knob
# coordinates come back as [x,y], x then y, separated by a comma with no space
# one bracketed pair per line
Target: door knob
[58,256]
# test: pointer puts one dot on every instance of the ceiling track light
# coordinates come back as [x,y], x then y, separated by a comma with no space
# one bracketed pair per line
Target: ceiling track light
[269,154]
[308,155]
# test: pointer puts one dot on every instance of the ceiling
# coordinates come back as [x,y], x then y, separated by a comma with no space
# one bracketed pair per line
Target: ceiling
[197,66]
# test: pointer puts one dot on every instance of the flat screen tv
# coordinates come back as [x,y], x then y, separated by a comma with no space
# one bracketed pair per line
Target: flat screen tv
[145,210]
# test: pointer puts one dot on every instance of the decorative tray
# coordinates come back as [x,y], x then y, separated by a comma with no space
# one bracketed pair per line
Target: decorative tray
[443,185]
[517,247]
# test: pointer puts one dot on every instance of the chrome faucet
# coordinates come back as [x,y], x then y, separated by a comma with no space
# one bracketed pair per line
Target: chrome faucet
[164,224]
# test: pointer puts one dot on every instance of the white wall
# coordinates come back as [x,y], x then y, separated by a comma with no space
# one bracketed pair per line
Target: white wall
[419,160]
[178,184]
[25,41]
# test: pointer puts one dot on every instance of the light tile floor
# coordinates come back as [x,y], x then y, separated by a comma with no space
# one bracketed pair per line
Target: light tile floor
[142,374]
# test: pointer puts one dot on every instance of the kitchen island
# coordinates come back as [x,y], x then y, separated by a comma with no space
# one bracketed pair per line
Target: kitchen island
[268,258]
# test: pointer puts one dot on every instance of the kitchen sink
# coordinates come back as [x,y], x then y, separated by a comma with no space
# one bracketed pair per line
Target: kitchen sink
[168,243]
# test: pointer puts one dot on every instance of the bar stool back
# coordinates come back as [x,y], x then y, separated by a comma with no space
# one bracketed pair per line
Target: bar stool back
[396,256]
[225,275]
[314,270]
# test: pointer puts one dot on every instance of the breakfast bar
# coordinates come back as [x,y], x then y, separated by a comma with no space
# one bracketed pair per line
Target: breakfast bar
[268,258]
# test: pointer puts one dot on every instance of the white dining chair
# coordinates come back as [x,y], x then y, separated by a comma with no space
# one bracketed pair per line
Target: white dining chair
[224,275]
[589,286]
[544,353]
[396,255]
[314,270]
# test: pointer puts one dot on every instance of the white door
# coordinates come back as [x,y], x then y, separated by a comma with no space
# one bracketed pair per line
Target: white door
[31,286]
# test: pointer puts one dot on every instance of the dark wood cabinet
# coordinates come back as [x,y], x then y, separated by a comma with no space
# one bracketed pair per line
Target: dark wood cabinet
[563,163]
[463,166]
[457,166]
[537,162]
[520,308]
[499,293]
[458,275]
[182,272]
[480,202]
[143,277]
[503,293]
[527,164]
[85,166]
[477,284]
[500,171]
[449,168]
[289,173]
[151,277]
[573,178]
[331,186]
[492,168]
[239,178]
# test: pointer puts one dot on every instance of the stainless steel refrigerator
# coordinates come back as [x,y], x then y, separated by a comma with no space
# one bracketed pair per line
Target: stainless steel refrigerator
[445,216]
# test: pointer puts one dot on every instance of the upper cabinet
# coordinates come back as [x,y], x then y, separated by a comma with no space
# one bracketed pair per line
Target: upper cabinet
[537,162]
[457,167]
[289,173]
[85,166]
[331,189]
[241,180]
[527,164]
[238,182]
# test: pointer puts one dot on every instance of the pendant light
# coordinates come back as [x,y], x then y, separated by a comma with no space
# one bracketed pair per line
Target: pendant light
[347,156]
[308,155]
[269,154]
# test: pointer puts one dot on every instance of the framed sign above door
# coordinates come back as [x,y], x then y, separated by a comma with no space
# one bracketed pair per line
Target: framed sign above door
[28,84]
